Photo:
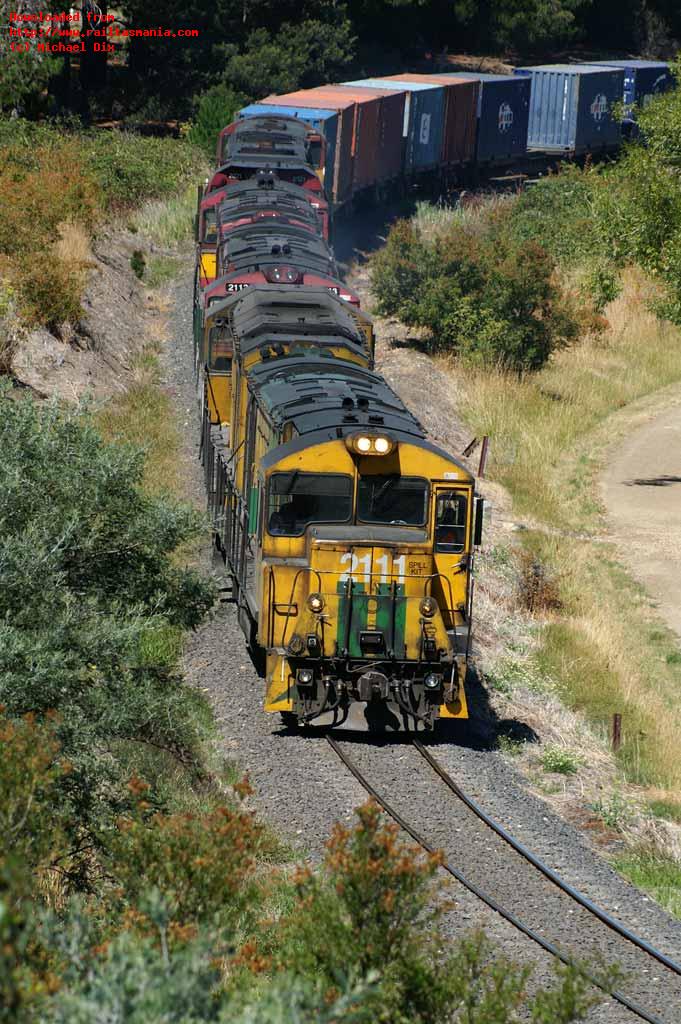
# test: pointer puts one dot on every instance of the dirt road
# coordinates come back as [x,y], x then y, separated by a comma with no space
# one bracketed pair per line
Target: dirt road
[641,490]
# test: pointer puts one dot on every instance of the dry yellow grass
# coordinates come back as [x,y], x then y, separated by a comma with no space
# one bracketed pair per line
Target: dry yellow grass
[73,245]
[606,651]
[144,415]
[540,425]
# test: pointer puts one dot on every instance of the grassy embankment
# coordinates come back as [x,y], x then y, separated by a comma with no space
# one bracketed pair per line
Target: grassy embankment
[610,237]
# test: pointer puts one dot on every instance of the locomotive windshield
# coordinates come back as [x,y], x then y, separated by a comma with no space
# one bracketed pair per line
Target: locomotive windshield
[396,500]
[296,499]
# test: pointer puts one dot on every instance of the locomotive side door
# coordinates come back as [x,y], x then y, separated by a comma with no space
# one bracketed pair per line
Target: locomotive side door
[451,548]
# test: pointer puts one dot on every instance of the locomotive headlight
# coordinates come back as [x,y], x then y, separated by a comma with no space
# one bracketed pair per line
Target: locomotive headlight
[432,681]
[428,607]
[366,444]
[305,676]
[315,603]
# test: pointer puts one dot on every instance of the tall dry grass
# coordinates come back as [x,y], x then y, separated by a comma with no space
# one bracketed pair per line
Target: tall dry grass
[540,425]
[605,650]
[169,223]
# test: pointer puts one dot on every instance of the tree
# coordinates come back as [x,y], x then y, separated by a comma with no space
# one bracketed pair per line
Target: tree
[25,71]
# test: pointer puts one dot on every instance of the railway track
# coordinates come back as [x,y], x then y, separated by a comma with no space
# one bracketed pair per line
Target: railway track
[537,895]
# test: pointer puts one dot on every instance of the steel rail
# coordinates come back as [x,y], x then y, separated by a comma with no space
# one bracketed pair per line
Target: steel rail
[488,900]
[564,886]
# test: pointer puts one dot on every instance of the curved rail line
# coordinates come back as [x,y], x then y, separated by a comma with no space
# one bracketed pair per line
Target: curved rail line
[485,898]
[552,876]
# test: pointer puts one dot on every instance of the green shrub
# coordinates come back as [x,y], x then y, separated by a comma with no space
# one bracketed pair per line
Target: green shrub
[639,208]
[179,984]
[480,292]
[50,292]
[87,569]
[201,865]
[129,168]
[559,760]
[215,110]
[138,263]
[613,810]
[557,213]
[370,914]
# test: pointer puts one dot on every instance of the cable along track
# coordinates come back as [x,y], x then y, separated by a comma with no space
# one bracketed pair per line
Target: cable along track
[635,1008]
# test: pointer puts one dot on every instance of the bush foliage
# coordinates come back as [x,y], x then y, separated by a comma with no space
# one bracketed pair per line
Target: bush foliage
[88,588]
[479,292]
[216,109]
[51,177]
[508,282]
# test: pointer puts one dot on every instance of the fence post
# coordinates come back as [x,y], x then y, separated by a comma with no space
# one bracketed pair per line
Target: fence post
[616,731]
[484,452]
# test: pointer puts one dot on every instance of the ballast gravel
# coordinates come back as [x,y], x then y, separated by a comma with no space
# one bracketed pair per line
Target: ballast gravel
[301,788]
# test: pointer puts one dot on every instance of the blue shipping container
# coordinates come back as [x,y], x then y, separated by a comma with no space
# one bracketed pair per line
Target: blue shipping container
[424,114]
[643,79]
[571,107]
[325,121]
[503,115]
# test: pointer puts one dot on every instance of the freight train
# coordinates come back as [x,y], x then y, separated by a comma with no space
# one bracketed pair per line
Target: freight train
[348,537]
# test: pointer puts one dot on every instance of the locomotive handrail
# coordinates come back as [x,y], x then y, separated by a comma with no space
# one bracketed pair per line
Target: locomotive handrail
[305,568]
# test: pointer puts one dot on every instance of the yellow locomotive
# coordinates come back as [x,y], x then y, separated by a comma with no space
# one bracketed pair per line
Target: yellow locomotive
[348,536]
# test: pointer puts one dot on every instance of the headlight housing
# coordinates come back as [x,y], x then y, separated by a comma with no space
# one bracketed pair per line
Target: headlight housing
[315,603]
[370,444]
[428,607]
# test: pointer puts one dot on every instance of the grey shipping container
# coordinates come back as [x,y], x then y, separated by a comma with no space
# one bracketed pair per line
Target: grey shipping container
[643,79]
[424,114]
[503,115]
[571,107]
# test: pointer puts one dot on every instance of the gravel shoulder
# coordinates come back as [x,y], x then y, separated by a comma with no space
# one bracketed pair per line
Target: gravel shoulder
[302,789]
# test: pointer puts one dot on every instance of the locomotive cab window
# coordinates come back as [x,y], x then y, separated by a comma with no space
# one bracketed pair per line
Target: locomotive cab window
[450,521]
[394,500]
[296,499]
[220,349]
[210,226]
[314,150]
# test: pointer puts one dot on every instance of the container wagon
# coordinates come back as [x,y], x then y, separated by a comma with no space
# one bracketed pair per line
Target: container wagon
[571,108]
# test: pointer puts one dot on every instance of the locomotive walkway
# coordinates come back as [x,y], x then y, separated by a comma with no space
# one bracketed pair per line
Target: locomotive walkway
[642,493]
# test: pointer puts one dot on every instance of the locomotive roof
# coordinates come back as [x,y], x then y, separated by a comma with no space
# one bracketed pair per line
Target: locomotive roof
[305,301]
[281,231]
[266,161]
[265,143]
[335,397]
[272,122]
[259,318]
[275,220]
[259,200]
[263,184]
[209,296]
[259,250]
